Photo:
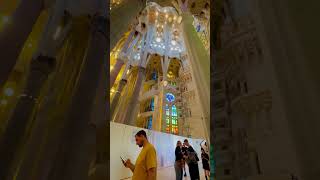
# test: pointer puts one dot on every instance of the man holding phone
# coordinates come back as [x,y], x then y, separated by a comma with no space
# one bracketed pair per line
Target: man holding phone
[146,163]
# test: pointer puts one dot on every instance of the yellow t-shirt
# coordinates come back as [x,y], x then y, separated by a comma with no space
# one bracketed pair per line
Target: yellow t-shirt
[146,160]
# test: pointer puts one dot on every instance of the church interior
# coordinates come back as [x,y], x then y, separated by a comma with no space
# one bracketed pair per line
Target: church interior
[77,76]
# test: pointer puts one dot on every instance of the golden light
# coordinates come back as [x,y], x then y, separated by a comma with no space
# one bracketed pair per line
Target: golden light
[3,102]
[165,83]
[112,90]
[157,13]
[128,71]
[111,67]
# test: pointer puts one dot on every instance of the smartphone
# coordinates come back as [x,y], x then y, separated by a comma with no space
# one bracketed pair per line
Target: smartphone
[122,160]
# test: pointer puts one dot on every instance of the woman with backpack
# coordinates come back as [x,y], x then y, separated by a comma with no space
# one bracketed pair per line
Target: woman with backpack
[192,161]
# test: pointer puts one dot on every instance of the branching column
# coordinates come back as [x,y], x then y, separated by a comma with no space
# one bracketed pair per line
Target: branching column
[15,33]
[17,124]
[121,17]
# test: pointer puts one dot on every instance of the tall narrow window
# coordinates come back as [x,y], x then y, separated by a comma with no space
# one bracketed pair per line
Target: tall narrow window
[167,119]
[174,120]
[149,123]
[152,104]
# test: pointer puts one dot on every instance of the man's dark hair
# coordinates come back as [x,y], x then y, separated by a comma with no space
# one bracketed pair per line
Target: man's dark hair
[142,133]
[186,140]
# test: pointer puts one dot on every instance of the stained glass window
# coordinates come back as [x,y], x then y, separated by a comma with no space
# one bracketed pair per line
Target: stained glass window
[152,104]
[154,75]
[174,120]
[170,97]
[174,111]
[167,110]
[167,119]
[150,123]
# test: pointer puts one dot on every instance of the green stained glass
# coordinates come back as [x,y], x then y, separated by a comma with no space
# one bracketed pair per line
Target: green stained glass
[174,111]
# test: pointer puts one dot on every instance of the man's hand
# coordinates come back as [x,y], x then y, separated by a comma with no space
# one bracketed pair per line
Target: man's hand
[129,165]
[152,174]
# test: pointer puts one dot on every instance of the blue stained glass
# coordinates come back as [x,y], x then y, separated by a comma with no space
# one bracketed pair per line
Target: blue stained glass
[154,76]
[152,104]
[170,97]
[150,122]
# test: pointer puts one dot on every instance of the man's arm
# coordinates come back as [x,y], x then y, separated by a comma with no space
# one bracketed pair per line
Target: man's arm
[152,174]
[129,165]
[151,164]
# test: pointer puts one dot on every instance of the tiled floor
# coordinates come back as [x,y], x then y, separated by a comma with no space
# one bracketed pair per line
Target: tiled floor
[169,173]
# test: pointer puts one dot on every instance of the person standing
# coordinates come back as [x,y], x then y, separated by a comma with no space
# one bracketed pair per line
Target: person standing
[192,161]
[205,163]
[146,163]
[178,162]
[184,152]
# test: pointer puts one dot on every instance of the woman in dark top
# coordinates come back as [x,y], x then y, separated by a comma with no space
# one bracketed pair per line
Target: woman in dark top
[184,152]
[178,162]
[192,161]
[205,163]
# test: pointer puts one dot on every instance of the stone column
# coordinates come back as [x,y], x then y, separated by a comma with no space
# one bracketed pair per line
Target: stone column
[116,97]
[155,125]
[164,116]
[100,119]
[131,109]
[15,33]
[200,65]
[128,41]
[17,124]
[115,71]
[121,17]
[79,135]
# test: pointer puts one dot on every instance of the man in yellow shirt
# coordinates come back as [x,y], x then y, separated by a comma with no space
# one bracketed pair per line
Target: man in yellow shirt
[146,163]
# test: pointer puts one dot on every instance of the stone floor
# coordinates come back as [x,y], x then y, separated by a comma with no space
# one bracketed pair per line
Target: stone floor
[168,173]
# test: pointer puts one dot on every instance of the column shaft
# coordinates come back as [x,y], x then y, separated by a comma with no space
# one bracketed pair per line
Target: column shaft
[131,109]
[116,97]
[15,33]
[115,71]
[78,136]
[17,124]
[200,66]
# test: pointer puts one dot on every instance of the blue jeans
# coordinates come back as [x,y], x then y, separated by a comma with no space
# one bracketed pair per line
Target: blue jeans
[178,169]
